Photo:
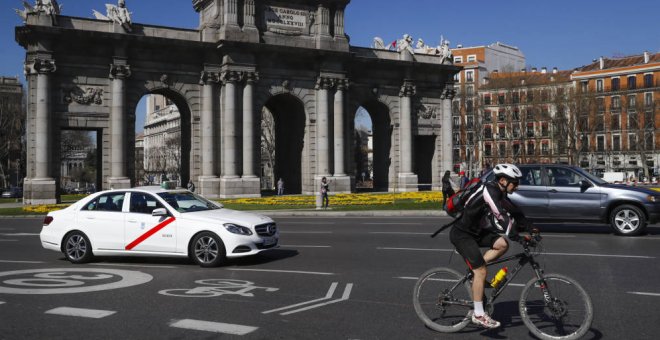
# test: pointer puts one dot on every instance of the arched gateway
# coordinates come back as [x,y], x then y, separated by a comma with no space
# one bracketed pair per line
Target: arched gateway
[290,57]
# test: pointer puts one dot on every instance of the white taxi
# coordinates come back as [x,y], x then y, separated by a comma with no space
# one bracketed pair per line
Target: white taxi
[152,221]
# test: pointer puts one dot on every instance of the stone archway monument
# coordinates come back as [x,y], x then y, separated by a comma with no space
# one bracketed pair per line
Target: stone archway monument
[243,54]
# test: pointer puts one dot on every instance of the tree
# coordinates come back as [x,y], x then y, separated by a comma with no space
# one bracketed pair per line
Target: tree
[12,125]
[268,142]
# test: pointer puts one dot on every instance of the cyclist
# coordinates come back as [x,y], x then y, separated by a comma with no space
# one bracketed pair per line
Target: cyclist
[473,230]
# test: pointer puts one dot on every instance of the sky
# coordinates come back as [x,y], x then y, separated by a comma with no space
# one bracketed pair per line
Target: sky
[562,33]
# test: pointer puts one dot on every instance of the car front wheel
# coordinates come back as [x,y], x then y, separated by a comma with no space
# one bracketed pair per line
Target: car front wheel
[207,250]
[628,220]
[77,248]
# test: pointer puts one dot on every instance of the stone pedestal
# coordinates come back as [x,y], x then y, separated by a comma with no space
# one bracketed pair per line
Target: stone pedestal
[119,183]
[235,187]
[209,187]
[39,191]
[339,184]
[407,182]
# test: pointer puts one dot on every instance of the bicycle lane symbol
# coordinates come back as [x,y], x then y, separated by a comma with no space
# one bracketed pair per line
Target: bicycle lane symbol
[218,287]
[68,280]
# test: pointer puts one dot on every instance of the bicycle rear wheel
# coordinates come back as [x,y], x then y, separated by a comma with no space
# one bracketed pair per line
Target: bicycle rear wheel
[567,314]
[442,301]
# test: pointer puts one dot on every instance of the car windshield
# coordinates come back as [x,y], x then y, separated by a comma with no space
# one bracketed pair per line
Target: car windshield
[591,176]
[186,201]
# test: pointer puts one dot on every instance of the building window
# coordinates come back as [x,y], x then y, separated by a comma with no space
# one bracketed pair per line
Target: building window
[470,138]
[600,123]
[648,141]
[633,120]
[472,57]
[616,84]
[487,116]
[584,86]
[488,132]
[469,107]
[544,130]
[457,137]
[530,148]
[632,102]
[487,99]
[500,99]
[516,149]
[616,143]
[616,103]
[616,119]
[530,130]
[502,132]
[516,115]
[457,122]
[530,96]
[457,154]
[488,150]
[516,131]
[469,90]
[648,99]
[469,76]
[470,122]
[456,107]
[458,59]
[648,80]
[632,82]
[600,143]
[500,116]
[544,149]
[632,141]
[600,105]
[515,98]
[599,85]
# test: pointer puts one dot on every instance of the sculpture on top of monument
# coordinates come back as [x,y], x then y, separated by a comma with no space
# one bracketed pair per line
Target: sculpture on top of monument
[118,14]
[405,43]
[48,7]
[422,48]
[445,52]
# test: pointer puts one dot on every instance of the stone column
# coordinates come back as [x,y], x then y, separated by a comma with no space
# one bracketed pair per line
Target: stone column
[323,85]
[209,183]
[341,181]
[41,189]
[119,71]
[407,179]
[447,96]
[248,125]
[229,166]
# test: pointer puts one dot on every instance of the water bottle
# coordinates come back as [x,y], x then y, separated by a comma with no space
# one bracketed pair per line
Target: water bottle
[499,277]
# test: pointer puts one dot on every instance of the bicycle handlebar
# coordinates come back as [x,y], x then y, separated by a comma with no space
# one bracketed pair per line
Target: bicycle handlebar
[532,239]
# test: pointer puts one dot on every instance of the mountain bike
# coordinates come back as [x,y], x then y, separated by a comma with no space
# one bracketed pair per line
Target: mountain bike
[552,306]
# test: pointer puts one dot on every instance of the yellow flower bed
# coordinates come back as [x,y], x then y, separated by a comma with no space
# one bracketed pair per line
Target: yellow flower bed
[44,208]
[341,199]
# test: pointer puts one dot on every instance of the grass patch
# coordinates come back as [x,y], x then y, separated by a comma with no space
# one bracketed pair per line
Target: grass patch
[17,212]
[9,200]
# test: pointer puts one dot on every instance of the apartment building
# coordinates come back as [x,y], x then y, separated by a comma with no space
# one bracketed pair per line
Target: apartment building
[478,63]
[619,116]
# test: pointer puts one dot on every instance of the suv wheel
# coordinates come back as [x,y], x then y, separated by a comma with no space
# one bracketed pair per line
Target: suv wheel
[207,250]
[77,248]
[627,220]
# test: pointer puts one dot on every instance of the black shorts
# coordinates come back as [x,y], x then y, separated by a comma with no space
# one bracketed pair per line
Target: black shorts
[468,245]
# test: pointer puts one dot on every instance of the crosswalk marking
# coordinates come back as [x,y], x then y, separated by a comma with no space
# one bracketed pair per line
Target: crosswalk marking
[81,312]
[216,327]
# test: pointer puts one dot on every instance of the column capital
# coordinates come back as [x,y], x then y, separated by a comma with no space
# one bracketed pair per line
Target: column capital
[231,77]
[342,84]
[324,83]
[43,66]
[251,77]
[209,77]
[120,71]
[408,89]
[448,93]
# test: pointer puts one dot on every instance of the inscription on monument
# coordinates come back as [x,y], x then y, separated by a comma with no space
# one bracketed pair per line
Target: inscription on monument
[286,18]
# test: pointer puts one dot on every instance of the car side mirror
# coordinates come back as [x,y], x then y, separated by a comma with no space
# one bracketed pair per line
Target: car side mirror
[584,184]
[159,212]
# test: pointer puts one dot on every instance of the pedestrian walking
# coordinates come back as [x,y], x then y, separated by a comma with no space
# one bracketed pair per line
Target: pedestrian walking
[447,190]
[280,187]
[191,186]
[325,187]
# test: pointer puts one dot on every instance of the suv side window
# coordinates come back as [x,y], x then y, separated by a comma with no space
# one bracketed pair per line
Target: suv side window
[531,175]
[563,177]
[107,202]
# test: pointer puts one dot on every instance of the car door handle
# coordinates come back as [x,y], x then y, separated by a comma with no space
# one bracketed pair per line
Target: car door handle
[90,217]
[553,190]
[132,221]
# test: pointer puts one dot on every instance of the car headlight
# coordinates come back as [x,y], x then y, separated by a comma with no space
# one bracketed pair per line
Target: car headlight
[237,229]
[652,198]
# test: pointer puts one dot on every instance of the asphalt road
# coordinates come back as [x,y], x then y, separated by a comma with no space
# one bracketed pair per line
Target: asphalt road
[332,278]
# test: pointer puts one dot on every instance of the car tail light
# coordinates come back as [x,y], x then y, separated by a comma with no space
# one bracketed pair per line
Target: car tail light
[47,220]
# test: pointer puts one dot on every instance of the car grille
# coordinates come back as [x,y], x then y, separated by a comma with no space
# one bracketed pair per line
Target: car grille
[268,229]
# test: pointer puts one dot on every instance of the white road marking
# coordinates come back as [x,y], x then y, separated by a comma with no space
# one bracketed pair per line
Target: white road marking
[601,255]
[416,249]
[216,327]
[305,232]
[300,246]
[129,265]
[10,261]
[397,223]
[447,280]
[20,234]
[327,296]
[81,312]
[398,233]
[344,297]
[644,293]
[280,271]
[1,302]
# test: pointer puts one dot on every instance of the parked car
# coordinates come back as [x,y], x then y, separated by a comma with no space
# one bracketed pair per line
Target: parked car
[152,221]
[15,192]
[564,193]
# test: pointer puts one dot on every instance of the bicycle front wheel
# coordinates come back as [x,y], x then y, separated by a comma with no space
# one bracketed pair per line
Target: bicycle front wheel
[560,310]
[442,300]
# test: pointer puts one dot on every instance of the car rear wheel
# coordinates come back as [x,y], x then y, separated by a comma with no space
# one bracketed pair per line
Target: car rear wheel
[627,220]
[77,248]
[207,250]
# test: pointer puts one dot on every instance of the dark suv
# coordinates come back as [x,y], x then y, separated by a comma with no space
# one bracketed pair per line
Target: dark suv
[564,193]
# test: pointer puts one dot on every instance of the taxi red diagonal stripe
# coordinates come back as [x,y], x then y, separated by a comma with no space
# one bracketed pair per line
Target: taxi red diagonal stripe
[150,232]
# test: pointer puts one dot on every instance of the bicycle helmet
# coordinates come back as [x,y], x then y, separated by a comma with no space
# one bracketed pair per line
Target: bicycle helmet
[509,171]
